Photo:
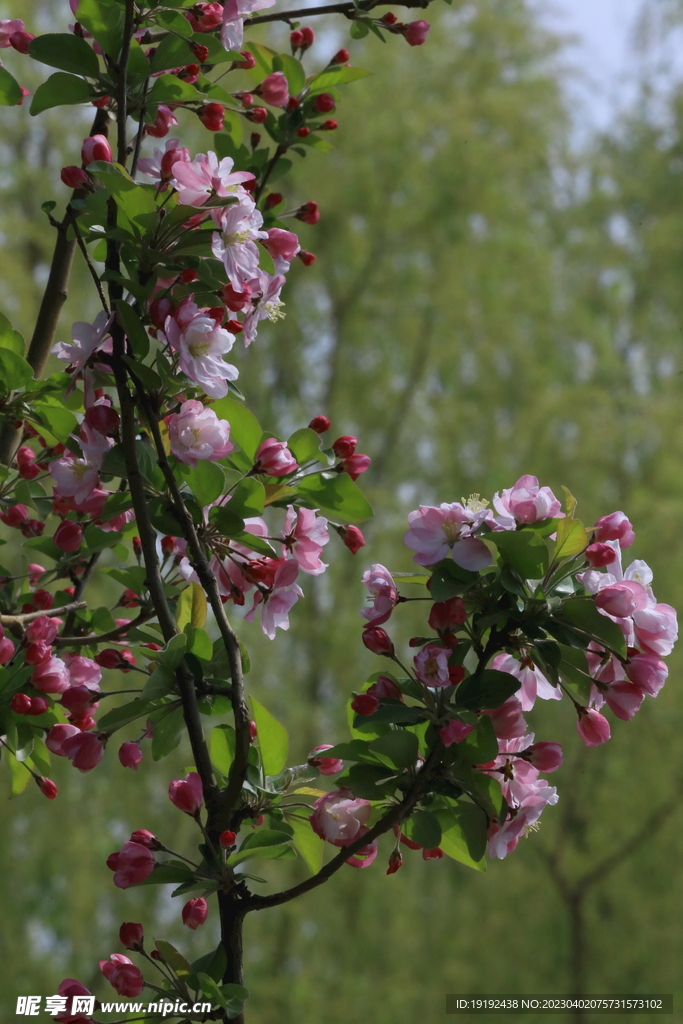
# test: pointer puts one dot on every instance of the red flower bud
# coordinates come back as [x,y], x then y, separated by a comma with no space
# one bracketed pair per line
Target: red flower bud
[353,538]
[130,755]
[307,258]
[227,839]
[320,424]
[378,641]
[344,446]
[308,37]
[258,115]
[20,41]
[296,38]
[340,57]
[46,787]
[365,704]
[194,913]
[328,126]
[211,115]
[74,177]
[324,103]
[389,18]
[395,862]
[293,103]
[103,418]
[131,935]
[273,199]
[303,132]
[248,62]
[308,213]
[96,147]
[68,536]
[21,704]
[201,52]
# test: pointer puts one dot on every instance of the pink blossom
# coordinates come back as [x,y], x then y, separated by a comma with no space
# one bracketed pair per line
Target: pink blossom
[415,32]
[648,672]
[339,817]
[508,720]
[122,975]
[436,532]
[196,433]
[282,246]
[274,90]
[274,458]
[74,478]
[78,699]
[378,641]
[520,778]
[51,676]
[6,650]
[131,935]
[163,122]
[8,27]
[86,339]
[526,502]
[160,165]
[239,228]
[624,699]
[85,750]
[205,17]
[134,863]
[455,732]
[622,598]
[656,629]
[204,177]
[304,536]
[57,737]
[201,345]
[385,689]
[431,665]
[187,794]
[278,601]
[593,728]
[325,765]
[96,147]
[503,839]
[70,988]
[383,593]
[194,913]
[534,683]
[43,628]
[234,13]
[130,755]
[267,306]
[544,756]
[615,526]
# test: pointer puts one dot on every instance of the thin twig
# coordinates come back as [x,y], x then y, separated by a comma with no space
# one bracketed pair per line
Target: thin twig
[20,620]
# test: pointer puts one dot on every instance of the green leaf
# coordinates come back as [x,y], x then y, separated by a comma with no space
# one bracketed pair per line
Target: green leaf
[67,52]
[272,738]
[173,21]
[335,76]
[134,328]
[15,372]
[167,733]
[293,71]
[368,781]
[523,550]
[583,613]
[19,774]
[489,689]
[161,682]
[132,200]
[198,642]
[58,420]
[211,990]
[10,90]
[222,745]
[248,498]
[206,480]
[9,338]
[245,429]
[173,958]
[397,749]
[572,538]
[167,873]
[127,713]
[449,580]
[359,28]
[172,52]
[191,607]
[169,89]
[335,494]
[105,19]
[464,835]
[60,90]
[423,828]
[353,750]
[309,845]
[574,672]
[304,444]
[264,57]
[212,964]
[481,746]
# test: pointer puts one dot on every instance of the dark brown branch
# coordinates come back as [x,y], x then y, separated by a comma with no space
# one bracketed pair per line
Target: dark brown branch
[348,9]
[97,638]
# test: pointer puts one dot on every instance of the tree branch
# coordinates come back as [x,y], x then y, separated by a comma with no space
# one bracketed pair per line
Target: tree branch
[20,620]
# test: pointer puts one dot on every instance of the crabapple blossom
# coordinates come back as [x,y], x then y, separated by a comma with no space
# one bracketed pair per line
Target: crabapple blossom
[282,246]
[534,683]
[196,433]
[162,124]
[339,817]
[234,243]
[508,720]
[130,755]
[383,594]
[206,176]
[85,750]
[122,975]
[234,13]
[656,628]
[593,728]
[187,794]
[201,345]
[51,676]
[194,913]
[305,534]
[274,90]
[325,765]
[378,640]
[647,671]
[527,502]
[437,532]
[431,665]
[96,147]
[267,306]
[455,732]
[544,756]
[274,458]
[131,865]
[278,601]
[615,526]
[8,27]
[86,340]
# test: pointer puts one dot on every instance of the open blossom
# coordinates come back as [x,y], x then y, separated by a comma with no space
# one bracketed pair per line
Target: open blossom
[266,306]
[160,165]
[199,179]
[234,13]
[623,598]
[196,433]
[504,839]
[508,720]
[274,458]
[437,532]
[85,750]
[340,817]
[656,628]
[201,345]
[431,665]
[51,676]
[8,27]
[383,592]
[534,683]
[527,502]
[234,243]
[123,975]
[86,339]
[278,601]
[305,535]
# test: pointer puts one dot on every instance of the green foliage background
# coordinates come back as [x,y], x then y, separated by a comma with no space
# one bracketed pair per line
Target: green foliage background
[488,300]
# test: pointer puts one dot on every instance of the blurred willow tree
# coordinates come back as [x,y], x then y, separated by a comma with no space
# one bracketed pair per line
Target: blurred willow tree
[486,302]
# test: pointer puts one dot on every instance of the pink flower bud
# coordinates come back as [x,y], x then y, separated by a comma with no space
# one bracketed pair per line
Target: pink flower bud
[46,787]
[344,446]
[96,147]
[385,688]
[77,698]
[248,62]
[454,732]
[274,90]
[187,794]
[42,628]
[615,526]
[85,750]
[145,838]
[134,863]
[122,975]
[599,555]
[51,676]
[325,765]
[365,704]
[130,755]
[163,122]
[416,32]
[320,424]
[257,115]
[131,935]
[446,614]
[6,650]
[227,839]
[102,418]
[20,41]
[356,464]
[57,736]
[68,536]
[593,728]
[253,732]
[74,177]
[111,658]
[15,515]
[274,458]
[378,641]
[647,671]
[544,756]
[353,538]
[284,244]
[194,913]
